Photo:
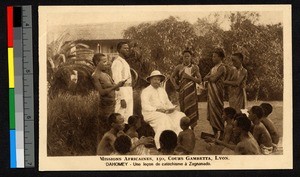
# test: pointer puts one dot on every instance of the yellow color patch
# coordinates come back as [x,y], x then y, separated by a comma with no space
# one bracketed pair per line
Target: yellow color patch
[11,68]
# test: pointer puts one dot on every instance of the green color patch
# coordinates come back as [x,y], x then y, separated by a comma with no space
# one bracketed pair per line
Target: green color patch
[12,120]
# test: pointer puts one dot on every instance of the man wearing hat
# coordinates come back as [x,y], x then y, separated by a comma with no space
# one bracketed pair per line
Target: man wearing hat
[157,109]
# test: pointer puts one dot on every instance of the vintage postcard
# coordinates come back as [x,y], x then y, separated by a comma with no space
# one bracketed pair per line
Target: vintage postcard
[165,87]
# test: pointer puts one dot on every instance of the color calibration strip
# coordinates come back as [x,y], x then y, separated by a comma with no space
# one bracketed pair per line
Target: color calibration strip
[20,86]
[12,127]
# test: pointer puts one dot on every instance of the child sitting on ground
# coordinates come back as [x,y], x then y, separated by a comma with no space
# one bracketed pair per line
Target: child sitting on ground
[106,145]
[269,124]
[134,123]
[228,115]
[122,145]
[186,138]
[247,145]
[259,131]
[168,142]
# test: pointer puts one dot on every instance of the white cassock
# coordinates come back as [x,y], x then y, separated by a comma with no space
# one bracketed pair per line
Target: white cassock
[121,71]
[153,99]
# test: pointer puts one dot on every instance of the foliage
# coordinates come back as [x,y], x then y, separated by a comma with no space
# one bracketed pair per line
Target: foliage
[262,46]
[63,51]
[72,125]
[162,42]
[62,83]
[67,60]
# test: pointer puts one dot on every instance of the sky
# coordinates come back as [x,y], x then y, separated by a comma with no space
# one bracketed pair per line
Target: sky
[56,17]
[109,14]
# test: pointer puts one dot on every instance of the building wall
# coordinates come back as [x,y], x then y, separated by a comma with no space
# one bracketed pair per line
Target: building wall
[107,47]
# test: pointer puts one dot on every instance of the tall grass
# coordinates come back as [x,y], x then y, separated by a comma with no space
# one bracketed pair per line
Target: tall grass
[73,125]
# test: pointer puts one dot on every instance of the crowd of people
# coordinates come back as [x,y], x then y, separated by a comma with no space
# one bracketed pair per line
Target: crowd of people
[239,132]
[248,135]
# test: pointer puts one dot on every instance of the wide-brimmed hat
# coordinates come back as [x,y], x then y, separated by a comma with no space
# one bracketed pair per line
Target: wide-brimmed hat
[156,73]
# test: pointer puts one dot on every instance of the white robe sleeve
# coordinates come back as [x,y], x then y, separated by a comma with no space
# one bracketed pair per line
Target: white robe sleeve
[116,69]
[145,99]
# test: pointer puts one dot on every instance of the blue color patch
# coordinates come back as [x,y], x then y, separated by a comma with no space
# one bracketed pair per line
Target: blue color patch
[13,150]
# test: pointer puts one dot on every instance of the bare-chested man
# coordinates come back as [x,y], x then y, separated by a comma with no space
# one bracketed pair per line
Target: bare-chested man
[105,85]
[106,145]
[259,131]
[247,144]
[268,123]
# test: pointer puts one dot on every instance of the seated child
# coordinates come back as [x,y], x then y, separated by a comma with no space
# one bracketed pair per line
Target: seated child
[228,115]
[134,123]
[106,145]
[122,145]
[260,132]
[186,138]
[247,145]
[269,124]
[168,142]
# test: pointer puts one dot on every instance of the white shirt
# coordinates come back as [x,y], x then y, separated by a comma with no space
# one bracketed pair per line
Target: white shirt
[121,71]
[153,99]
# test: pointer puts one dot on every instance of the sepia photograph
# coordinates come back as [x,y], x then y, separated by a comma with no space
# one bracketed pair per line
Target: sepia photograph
[165,87]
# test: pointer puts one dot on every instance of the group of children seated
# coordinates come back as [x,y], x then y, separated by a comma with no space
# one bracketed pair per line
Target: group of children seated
[247,135]
[244,134]
[118,142]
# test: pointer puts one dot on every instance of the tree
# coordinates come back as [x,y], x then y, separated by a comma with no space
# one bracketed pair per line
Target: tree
[210,37]
[262,47]
[162,43]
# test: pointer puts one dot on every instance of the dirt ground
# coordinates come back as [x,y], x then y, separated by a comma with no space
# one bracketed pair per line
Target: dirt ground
[203,125]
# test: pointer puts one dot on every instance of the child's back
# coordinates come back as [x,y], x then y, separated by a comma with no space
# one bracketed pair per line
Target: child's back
[263,138]
[105,147]
[260,132]
[122,145]
[186,142]
[248,146]
[271,129]
[268,109]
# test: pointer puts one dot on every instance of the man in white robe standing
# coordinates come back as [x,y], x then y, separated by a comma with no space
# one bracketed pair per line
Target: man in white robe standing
[120,72]
[157,109]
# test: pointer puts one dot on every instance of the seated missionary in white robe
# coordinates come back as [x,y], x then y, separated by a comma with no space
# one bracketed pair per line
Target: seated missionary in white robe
[157,109]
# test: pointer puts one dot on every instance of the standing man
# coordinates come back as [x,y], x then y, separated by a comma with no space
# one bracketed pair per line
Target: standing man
[215,88]
[104,85]
[121,72]
[184,78]
[237,84]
